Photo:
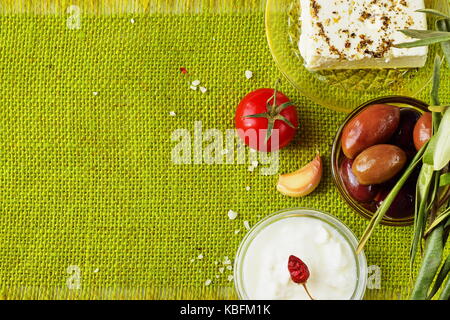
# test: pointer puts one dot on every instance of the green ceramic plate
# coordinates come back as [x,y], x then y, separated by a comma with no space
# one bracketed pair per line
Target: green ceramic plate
[341,90]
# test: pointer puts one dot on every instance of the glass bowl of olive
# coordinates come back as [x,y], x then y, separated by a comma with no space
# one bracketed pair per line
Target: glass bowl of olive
[372,148]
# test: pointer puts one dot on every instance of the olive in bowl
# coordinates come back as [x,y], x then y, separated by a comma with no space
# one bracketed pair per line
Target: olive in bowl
[372,148]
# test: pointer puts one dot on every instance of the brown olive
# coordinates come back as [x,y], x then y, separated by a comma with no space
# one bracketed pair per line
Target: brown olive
[403,204]
[403,136]
[378,164]
[422,130]
[356,190]
[374,125]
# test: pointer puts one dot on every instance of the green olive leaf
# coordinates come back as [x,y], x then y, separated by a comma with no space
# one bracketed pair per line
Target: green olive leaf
[444,25]
[436,80]
[423,186]
[445,269]
[434,12]
[428,157]
[444,180]
[430,264]
[445,294]
[442,145]
[440,219]
[426,37]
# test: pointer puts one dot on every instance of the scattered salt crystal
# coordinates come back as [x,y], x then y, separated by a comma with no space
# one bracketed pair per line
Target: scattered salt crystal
[216,262]
[221,270]
[247,188]
[251,168]
[172,113]
[192,260]
[230,278]
[246,225]
[193,87]
[195,82]
[248,74]
[232,214]
[203,89]
[132,20]
[96,270]
[237,231]
[95,93]
[217,276]
[224,151]
[255,163]
[226,261]
[230,268]
[200,256]
[208,282]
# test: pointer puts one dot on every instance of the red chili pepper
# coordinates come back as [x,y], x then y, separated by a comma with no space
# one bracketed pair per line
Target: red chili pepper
[183,70]
[299,272]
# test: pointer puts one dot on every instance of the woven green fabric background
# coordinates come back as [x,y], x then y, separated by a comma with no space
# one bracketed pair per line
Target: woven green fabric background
[87,180]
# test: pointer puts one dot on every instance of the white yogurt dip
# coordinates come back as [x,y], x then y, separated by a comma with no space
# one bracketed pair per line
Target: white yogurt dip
[329,256]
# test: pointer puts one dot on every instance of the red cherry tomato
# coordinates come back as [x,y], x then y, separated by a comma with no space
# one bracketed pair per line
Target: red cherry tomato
[254,113]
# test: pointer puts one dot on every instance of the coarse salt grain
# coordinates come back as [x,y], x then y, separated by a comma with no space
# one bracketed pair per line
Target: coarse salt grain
[246,225]
[226,261]
[95,93]
[247,188]
[232,214]
[255,163]
[208,282]
[172,113]
[217,276]
[251,168]
[230,268]
[248,74]
[224,151]
[195,82]
[221,270]
[230,278]
[203,89]
[132,20]
[237,231]
[192,260]
[193,87]
[200,256]
[96,270]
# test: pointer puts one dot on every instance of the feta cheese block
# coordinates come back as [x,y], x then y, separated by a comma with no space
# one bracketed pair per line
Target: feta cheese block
[346,34]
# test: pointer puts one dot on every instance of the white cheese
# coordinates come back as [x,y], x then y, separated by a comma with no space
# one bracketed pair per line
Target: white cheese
[346,34]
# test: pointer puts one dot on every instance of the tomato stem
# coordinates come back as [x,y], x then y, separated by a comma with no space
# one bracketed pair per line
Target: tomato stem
[273,112]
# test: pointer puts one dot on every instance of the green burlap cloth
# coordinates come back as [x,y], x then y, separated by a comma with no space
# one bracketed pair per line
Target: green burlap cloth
[91,204]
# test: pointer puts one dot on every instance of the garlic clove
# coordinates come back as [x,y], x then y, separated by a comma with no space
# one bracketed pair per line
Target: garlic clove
[303,181]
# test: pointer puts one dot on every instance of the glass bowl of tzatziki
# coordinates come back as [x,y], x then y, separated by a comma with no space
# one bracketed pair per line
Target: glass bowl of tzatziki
[321,241]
